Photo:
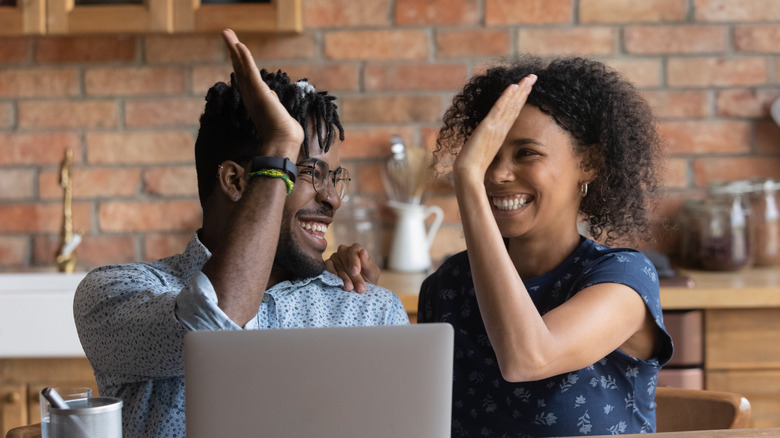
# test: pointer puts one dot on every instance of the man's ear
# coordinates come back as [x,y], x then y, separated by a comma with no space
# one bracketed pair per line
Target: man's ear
[231,180]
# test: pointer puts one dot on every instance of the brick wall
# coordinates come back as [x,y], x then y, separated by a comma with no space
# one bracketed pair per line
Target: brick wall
[128,105]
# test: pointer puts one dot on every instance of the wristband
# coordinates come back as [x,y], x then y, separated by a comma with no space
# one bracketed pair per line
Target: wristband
[273,173]
[280,164]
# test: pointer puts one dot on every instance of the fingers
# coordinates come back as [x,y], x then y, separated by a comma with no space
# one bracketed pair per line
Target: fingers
[507,108]
[334,266]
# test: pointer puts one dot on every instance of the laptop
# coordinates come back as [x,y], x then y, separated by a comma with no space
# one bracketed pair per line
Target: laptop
[345,382]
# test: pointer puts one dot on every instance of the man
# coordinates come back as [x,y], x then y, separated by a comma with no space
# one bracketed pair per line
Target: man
[256,263]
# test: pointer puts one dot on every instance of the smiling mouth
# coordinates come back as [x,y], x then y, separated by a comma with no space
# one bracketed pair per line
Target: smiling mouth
[315,229]
[508,203]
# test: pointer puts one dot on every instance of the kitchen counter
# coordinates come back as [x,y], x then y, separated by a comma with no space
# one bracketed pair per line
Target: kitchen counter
[749,288]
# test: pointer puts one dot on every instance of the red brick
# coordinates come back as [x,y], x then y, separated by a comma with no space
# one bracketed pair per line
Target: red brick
[757,38]
[428,138]
[705,137]
[720,72]
[498,12]
[157,246]
[346,13]
[38,148]
[68,114]
[436,12]
[39,82]
[162,112]
[643,73]
[628,11]
[104,48]
[286,46]
[391,109]
[40,217]
[368,179]
[171,181]
[373,141]
[678,104]
[330,77]
[472,42]
[752,103]
[90,182]
[6,115]
[675,39]
[150,216]
[94,250]
[767,137]
[134,81]
[16,184]
[674,173]
[164,49]
[414,77]
[576,41]
[711,169]
[15,49]
[736,10]
[140,147]
[377,44]
[13,250]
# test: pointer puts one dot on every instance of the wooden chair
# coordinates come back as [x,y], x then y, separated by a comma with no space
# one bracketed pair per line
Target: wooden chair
[694,409]
[31,431]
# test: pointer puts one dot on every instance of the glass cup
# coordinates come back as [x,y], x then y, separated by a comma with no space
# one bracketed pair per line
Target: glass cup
[68,394]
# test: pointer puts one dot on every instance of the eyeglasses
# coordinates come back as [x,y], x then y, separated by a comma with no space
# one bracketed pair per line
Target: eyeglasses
[318,172]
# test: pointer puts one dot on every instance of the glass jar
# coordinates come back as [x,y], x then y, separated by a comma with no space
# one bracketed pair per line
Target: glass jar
[357,221]
[690,240]
[724,228]
[766,222]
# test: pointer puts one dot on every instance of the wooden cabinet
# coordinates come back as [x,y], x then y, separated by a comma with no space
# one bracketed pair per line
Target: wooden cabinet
[742,354]
[23,18]
[147,16]
[21,381]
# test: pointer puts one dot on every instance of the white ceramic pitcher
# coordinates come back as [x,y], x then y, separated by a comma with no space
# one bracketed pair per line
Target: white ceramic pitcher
[410,251]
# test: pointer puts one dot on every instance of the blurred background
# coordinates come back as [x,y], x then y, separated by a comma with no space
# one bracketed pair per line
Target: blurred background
[127,104]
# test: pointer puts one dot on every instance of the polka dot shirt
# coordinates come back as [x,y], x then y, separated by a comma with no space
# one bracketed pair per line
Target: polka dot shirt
[131,321]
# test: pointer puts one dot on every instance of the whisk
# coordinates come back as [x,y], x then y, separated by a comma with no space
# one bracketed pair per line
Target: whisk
[406,174]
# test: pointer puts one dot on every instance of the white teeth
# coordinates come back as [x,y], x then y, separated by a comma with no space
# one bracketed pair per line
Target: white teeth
[314,226]
[509,203]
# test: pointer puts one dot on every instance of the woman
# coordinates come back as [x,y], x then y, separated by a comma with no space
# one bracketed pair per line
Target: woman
[555,334]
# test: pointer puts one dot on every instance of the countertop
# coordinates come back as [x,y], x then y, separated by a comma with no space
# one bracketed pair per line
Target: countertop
[748,288]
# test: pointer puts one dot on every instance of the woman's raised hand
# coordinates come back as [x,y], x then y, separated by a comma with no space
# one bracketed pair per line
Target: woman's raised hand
[476,155]
[282,135]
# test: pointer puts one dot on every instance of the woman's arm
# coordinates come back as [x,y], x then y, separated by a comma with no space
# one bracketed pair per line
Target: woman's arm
[528,346]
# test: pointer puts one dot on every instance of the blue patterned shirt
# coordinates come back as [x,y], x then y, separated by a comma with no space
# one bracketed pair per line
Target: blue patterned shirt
[131,321]
[612,396]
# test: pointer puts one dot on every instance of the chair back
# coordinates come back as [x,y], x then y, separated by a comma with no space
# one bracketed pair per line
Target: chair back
[696,409]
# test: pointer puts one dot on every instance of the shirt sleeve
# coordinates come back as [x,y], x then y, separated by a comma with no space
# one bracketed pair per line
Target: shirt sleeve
[633,269]
[131,322]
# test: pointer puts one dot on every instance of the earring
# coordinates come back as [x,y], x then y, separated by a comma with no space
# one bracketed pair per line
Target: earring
[584,190]
[220,166]
[235,198]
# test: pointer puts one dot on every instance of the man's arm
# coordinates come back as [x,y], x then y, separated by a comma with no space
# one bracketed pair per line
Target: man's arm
[241,263]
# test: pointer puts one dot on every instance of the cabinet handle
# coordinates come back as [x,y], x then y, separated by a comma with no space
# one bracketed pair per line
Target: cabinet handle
[13,398]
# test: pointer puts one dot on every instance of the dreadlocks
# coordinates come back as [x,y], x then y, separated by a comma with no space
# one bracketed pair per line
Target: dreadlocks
[227,133]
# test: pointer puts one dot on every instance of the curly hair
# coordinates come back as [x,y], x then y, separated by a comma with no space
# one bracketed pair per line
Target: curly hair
[611,124]
[227,133]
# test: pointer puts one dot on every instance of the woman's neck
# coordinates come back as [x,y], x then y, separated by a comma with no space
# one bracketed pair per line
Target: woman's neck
[534,257]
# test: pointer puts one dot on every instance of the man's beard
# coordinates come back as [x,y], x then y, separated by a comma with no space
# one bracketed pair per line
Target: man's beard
[290,258]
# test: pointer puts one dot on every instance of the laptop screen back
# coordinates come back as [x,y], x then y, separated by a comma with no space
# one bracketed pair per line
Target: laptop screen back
[346,382]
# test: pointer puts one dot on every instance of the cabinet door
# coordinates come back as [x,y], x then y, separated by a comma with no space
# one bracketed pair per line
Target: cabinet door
[239,15]
[761,388]
[13,407]
[742,338]
[19,17]
[109,16]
